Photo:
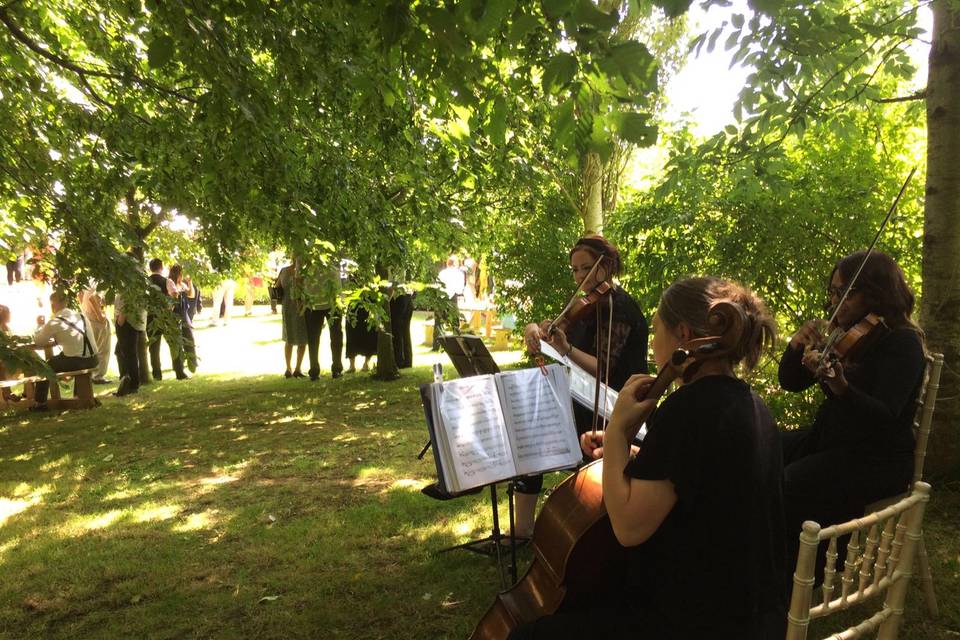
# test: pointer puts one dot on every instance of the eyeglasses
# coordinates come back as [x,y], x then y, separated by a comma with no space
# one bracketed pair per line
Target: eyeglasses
[837,292]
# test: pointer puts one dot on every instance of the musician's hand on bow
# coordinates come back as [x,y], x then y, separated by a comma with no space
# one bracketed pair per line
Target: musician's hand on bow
[630,413]
[556,338]
[811,359]
[808,335]
[830,373]
[531,337]
[591,443]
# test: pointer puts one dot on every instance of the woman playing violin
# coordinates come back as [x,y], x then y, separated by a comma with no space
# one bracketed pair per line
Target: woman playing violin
[698,506]
[622,343]
[860,446]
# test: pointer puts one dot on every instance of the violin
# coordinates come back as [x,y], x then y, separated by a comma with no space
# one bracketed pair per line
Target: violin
[581,307]
[575,552]
[848,346]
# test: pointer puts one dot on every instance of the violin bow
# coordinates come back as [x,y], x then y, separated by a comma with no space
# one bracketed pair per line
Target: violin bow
[873,244]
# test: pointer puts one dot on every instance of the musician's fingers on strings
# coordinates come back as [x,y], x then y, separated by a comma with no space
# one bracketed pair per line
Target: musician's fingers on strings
[591,443]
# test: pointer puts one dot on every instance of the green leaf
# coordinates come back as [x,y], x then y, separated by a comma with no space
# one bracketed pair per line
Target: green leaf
[494,13]
[559,72]
[587,13]
[554,9]
[737,20]
[674,8]
[497,124]
[633,62]
[160,52]
[522,25]
[636,128]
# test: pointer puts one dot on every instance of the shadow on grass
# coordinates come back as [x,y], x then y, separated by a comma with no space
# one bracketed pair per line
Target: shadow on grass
[177,513]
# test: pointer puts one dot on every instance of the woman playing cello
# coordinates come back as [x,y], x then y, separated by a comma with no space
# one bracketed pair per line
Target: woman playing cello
[860,447]
[622,343]
[699,505]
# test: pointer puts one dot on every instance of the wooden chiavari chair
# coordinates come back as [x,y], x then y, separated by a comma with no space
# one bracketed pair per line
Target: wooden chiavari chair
[879,560]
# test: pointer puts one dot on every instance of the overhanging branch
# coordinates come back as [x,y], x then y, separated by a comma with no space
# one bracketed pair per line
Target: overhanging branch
[83,72]
[919,95]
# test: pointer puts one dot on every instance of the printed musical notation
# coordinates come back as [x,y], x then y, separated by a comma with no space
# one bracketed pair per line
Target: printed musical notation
[495,427]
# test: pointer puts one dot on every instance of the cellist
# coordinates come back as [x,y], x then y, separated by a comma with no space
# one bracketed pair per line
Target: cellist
[698,506]
[620,346]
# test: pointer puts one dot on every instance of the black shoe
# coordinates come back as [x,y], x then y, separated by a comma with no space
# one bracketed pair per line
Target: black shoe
[157,377]
[182,376]
[124,387]
[298,374]
[287,374]
[338,373]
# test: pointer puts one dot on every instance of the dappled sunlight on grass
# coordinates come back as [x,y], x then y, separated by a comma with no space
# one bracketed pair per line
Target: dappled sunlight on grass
[60,462]
[23,497]
[345,437]
[195,521]
[215,480]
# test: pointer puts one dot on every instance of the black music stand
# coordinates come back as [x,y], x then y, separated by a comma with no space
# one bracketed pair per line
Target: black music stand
[470,357]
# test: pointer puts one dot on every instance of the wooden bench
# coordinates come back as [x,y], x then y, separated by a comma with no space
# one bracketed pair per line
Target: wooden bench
[83,397]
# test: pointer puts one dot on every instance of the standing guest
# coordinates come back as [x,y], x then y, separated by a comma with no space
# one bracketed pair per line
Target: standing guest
[14,268]
[254,283]
[401,313]
[5,374]
[130,326]
[223,302]
[69,330]
[186,296]
[294,323]
[860,446]
[321,284]
[154,330]
[453,280]
[194,303]
[698,507]
[92,307]
[361,338]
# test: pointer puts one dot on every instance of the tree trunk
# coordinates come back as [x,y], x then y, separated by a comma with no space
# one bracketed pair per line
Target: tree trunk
[592,193]
[143,354]
[940,305]
[386,362]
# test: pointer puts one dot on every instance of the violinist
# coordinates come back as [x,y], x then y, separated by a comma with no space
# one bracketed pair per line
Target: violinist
[622,349]
[860,446]
[698,507]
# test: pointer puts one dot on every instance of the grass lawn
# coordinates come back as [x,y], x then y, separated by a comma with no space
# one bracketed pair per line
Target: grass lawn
[240,504]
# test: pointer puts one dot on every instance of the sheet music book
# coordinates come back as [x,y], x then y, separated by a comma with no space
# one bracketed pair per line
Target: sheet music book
[490,428]
[582,384]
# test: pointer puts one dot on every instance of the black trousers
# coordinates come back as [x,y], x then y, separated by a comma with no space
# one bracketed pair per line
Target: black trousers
[154,333]
[14,271]
[314,319]
[831,486]
[401,312]
[60,363]
[189,346]
[128,358]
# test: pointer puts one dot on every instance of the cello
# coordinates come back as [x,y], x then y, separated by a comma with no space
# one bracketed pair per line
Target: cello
[575,552]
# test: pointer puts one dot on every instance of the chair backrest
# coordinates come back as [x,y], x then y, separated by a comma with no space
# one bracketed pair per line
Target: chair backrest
[879,560]
[924,416]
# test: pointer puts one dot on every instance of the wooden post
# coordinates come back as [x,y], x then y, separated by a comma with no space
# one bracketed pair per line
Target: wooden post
[798,619]
[897,593]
